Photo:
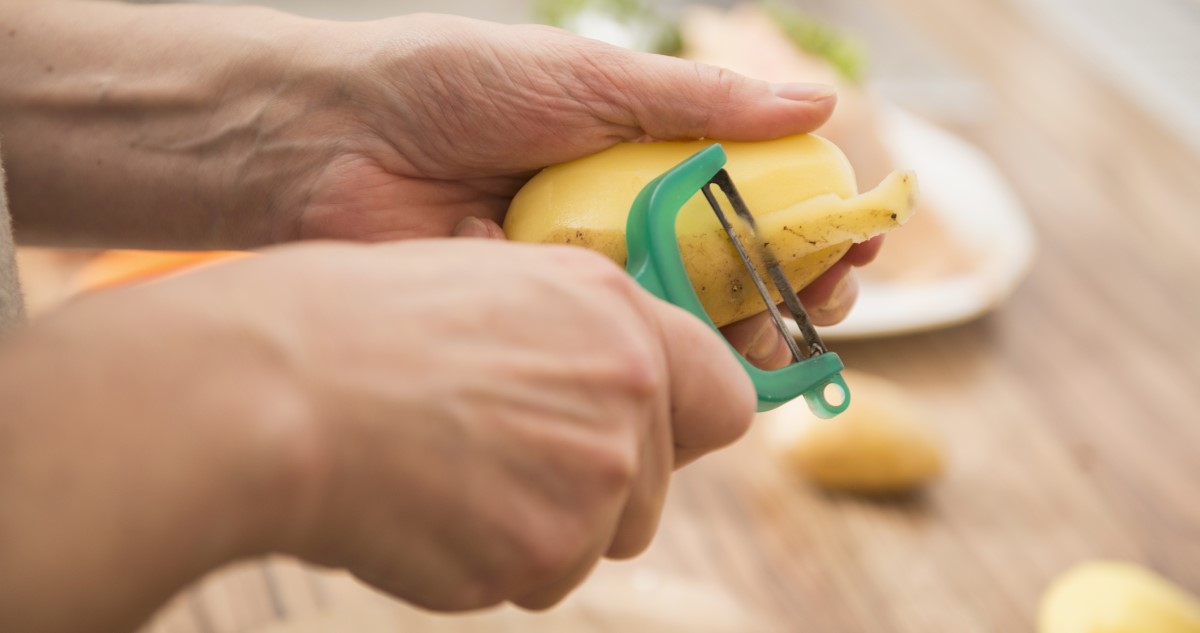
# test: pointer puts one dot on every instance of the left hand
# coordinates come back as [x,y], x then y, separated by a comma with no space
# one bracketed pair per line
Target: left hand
[445,118]
[185,126]
[455,115]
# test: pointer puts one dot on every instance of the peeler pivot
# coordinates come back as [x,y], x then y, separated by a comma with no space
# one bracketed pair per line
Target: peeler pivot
[656,263]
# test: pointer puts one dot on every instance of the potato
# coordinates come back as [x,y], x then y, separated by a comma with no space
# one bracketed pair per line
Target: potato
[801,189]
[1115,597]
[881,444]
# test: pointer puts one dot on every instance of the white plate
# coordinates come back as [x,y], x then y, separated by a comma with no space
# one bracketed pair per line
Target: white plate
[976,207]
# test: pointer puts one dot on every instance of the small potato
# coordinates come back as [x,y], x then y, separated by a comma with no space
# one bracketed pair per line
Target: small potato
[1114,597]
[881,444]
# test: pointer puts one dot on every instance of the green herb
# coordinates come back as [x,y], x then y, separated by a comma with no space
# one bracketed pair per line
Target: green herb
[844,53]
[560,12]
[670,41]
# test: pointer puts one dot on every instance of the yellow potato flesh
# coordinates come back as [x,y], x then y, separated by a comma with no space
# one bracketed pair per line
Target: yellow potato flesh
[801,190]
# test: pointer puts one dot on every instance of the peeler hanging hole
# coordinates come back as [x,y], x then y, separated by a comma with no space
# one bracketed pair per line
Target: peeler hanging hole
[829,399]
[834,394]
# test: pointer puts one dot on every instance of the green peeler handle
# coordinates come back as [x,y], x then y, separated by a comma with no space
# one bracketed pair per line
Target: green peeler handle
[656,263]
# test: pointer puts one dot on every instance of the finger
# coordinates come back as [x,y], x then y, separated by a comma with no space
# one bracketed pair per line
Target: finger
[633,531]
[759,341]
[643,507]
[639,517]
[709,403]
[864,253]
[712,400]
[482,228]
[550,594]
[671,98]
[829,299]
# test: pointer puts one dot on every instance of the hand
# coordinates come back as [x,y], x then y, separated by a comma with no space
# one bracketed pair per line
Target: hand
[241,127]
[458,422]
[509,100]
[528,442]
[446,118]
[476,450]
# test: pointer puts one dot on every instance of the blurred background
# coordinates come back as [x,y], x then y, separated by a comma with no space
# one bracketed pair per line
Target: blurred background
[1025,357]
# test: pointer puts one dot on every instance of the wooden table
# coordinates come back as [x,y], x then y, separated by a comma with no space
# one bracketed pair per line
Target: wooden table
[1072,415]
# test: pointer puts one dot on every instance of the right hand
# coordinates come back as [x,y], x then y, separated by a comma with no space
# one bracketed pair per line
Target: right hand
[487,419]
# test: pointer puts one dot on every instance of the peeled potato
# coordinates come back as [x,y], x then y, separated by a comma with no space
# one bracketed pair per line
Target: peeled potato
[1113,597]
[881,444]
[800,188]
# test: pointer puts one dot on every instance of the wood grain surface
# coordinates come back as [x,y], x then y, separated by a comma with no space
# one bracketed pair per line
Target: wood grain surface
[1071,415]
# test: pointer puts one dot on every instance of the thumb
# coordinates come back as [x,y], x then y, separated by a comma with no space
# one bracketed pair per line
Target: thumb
[670,98]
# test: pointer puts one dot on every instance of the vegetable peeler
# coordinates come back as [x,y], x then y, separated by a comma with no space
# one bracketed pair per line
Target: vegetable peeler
[657,264]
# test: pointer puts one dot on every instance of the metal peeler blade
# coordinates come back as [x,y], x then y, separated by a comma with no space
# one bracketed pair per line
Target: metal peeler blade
[812,339]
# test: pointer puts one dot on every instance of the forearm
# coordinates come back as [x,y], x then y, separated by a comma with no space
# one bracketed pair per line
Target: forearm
[129,466]
[148,125]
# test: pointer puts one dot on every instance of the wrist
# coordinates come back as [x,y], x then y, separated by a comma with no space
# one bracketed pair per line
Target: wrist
[154,126]
[237,407]
[140,443]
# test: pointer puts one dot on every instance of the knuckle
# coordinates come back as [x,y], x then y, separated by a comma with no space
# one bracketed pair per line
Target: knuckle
[628,371]
[547,554]
[720,87]
[725,83]
[638,374]
[615,467]
[630,364]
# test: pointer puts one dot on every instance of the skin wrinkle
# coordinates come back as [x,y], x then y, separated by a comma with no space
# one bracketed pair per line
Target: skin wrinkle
[308,116]
[531,94]
[528,101]
[393,152]
[400,159]
[336,144]
[587,95]
[563,99]
[602,96]
[492,90]
[437,104]
[726,83]
[417,48]
[593,124]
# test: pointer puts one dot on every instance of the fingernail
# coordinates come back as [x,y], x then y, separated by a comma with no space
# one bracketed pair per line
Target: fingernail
[471,227]
[804,91]
[765,343]
[839,303]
